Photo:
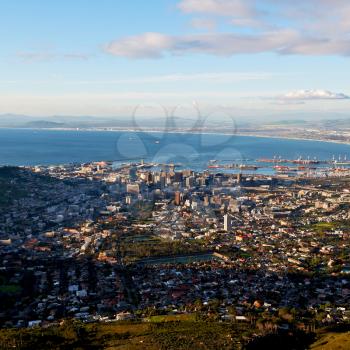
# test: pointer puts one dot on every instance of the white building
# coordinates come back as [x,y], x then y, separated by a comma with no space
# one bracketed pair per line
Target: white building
[227,222]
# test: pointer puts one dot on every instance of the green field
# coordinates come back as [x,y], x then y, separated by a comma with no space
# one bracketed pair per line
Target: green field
[171,318]
[332,341]
[168,335]
[10,288]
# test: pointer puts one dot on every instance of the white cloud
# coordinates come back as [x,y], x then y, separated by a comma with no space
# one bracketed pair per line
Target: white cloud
[313,27]
[248,23]
[285,42]
[301,95]
[243,13]
[236,8]
[46,56]
[156,45]
[150,45]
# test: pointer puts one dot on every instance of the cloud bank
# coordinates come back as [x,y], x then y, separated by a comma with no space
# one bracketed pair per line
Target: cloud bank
[218,7]
[46,56]
[156,45]
[313,27]
[301,95]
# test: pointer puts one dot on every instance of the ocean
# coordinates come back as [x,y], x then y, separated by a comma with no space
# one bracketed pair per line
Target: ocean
[50,147]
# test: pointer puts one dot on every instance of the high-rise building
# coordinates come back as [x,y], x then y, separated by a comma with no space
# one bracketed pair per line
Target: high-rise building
[133,188]
[189,181]
[162,181]
[177,198]
[178,177]
[227,223]
[133,173]
[149,178]
[128,200]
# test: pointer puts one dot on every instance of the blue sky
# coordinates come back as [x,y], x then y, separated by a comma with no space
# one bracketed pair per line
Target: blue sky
[258,58]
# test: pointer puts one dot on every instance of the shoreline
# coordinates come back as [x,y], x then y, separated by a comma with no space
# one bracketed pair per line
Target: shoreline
[193,132]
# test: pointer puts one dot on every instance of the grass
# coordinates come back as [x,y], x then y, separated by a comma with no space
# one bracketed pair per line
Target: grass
[167,334]
[325,225]
[197,335]
[171,318]
[9,190]
[332,341]
[180,332]
[10,288]
[322,228]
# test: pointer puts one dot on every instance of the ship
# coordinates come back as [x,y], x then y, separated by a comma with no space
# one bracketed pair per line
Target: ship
[284,168]
[247,167]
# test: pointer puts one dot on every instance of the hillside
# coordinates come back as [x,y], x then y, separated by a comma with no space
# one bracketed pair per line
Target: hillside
[127,335]
[332,341]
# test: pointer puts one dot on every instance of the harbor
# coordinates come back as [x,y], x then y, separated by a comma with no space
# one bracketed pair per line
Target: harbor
[309,167]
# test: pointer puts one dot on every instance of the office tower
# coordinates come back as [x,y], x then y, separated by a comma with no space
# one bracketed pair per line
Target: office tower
[177,198]
[189,181]
[133,188]
[227,223]
[133,173]
[178,177]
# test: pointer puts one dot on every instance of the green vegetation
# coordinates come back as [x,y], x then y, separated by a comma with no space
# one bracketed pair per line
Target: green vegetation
[332,341]
[9,172]
[142,210]
[139,250]
[322,227]
[199,335]
[134,246]
[171,318]
[180,332]
[9,190]
[128,335]
[297,340]
[330,226]
[14,183]
[71,335]
[164,332]
[10,288]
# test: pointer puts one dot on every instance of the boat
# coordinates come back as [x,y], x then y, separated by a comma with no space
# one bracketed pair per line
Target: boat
[248,167]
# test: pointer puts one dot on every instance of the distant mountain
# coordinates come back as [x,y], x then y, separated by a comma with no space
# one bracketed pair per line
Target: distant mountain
[338,121]
[44,124]
[336,124]
[14,120]
[22,121]
[287,122]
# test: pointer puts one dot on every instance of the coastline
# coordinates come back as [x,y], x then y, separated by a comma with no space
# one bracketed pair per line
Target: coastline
[295,138]
[193,132]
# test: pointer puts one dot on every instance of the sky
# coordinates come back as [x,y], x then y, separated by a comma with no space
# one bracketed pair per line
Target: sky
[255,58]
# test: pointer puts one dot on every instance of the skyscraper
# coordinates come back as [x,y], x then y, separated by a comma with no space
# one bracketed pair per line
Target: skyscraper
[177,198]
[227,223]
